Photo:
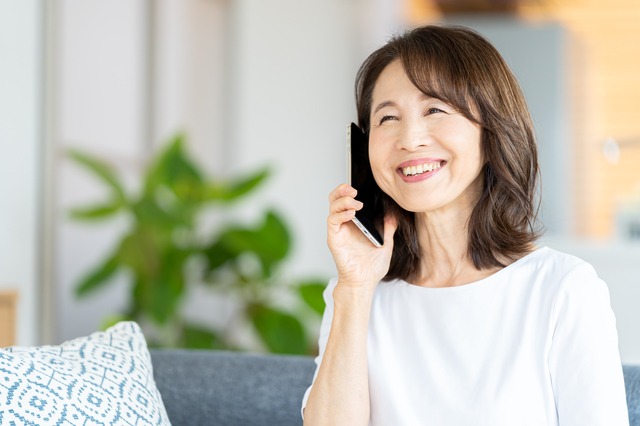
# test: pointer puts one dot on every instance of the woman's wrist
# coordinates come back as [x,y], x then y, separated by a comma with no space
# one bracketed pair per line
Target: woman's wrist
[353,293]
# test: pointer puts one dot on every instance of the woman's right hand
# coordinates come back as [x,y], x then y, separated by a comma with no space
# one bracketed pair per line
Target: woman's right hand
[358,261]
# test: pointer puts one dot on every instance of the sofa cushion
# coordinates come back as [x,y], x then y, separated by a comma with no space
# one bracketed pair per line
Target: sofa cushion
[221,388]
[102,379]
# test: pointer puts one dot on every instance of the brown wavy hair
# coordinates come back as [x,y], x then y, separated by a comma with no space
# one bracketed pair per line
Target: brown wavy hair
[460,67]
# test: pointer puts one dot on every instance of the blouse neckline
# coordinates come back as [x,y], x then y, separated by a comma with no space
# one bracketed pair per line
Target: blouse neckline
[478,283]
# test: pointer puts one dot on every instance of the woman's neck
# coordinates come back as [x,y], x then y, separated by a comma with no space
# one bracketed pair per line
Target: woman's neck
[444,243]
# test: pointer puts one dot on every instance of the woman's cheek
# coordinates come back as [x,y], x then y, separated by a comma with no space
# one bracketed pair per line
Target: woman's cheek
[377,162]
[381,180]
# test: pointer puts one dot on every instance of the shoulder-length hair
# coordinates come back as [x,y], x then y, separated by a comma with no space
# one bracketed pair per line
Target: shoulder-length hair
[460,67]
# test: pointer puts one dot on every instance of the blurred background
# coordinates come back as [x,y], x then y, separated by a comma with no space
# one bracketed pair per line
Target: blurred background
[249,84]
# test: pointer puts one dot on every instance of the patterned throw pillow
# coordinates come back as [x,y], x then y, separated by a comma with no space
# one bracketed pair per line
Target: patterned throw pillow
[102,379]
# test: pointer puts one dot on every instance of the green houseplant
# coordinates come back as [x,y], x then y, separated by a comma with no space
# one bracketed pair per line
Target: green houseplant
[165,252]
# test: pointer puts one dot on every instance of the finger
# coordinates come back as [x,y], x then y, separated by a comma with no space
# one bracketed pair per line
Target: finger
[335,221]
[345,203]
[343,190]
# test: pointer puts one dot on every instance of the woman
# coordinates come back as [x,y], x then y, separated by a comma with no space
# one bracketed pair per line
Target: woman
[458,319]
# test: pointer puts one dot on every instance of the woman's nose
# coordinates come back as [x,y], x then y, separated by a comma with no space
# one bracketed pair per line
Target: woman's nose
[413,136]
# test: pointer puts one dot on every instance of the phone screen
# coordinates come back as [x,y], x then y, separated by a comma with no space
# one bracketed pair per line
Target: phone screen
[360,177]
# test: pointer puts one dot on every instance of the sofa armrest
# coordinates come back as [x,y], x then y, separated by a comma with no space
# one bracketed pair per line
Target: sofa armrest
[205,387]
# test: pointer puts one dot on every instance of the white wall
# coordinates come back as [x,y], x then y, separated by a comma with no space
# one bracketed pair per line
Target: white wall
[20,114]
[100,109]
[190,69]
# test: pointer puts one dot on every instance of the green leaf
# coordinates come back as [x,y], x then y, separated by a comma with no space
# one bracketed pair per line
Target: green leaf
[158,271]
[167,287]
[101,170]
[275,235]
[141,251]
[197,337]
[99,276]
[165,294]
[148,212]
[281,332]
[113,319]
[231,191]
[173,169]
[270,242]
[138,303]
[96,212]
[311,293]
[217,255]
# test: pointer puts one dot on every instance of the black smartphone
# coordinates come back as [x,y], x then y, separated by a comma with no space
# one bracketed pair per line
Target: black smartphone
[360,177]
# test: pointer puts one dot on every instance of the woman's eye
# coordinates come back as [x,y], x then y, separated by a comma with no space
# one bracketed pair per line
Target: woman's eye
[433,110]
[386,118]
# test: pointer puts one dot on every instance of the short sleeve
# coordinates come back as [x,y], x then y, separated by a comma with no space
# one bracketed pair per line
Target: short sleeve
[584,360]
[325,328]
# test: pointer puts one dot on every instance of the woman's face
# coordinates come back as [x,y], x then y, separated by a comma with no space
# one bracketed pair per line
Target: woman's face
[424,154]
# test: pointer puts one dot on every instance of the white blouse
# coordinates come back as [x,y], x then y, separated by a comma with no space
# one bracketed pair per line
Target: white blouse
[533,344]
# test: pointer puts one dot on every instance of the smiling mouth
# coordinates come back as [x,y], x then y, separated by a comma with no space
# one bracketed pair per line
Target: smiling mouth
[421,168]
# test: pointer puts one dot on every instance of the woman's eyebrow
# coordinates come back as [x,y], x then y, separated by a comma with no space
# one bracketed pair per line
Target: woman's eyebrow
[383,105]
[423,97]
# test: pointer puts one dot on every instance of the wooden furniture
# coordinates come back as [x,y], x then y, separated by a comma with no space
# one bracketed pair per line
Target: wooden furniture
[7,317]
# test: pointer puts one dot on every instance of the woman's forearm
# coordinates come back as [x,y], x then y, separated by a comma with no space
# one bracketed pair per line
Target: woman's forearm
[340,393]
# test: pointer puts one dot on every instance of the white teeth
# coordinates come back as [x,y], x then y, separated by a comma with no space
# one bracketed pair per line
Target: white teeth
[420,168]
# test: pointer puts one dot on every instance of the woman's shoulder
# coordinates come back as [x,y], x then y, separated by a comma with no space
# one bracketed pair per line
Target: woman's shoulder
[562,271]
[544,269]
[551,260]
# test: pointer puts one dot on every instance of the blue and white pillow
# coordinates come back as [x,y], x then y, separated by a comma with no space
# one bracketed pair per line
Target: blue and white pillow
[102,379]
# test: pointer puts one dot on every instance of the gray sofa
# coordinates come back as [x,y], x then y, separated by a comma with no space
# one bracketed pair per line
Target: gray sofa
[235,389]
